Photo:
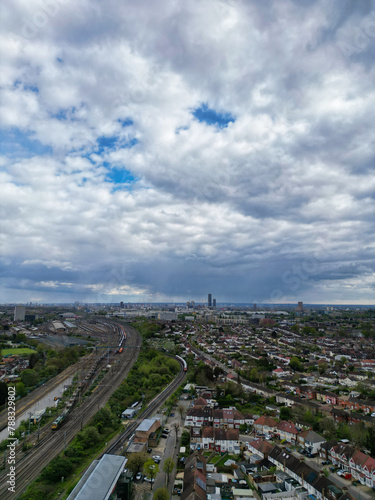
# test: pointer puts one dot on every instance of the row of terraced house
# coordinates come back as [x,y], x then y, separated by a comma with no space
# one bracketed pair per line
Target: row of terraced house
[328,397]
[360,465]
[314,482]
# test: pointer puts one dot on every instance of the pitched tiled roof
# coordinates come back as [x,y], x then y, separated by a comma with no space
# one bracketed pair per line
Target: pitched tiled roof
[261,445]
[208,432]
[285,426]
[266,420]
[200,402]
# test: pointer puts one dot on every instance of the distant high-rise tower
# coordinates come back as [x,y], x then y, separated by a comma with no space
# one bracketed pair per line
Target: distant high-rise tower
[300,307]
[19,313]
[210,300]
[214,302]
[121,305]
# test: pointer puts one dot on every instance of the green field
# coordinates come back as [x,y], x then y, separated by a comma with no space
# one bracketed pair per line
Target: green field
[17,350]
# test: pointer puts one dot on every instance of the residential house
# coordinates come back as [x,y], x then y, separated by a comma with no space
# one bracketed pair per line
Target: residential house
[326,397]
[195,478]
[287,430]
[221,440]
[311,441]
[260,447]
[265,425]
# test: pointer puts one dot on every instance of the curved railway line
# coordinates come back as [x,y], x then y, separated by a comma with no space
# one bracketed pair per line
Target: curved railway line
[29,467]
[117,446]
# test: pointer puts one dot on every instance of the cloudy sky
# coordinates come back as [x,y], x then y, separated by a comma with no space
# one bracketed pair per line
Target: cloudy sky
[160,150]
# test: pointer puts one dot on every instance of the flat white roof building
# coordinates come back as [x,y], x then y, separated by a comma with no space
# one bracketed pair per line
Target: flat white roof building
[100,479]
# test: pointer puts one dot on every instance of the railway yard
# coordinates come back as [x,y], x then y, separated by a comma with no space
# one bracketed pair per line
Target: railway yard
[77,411]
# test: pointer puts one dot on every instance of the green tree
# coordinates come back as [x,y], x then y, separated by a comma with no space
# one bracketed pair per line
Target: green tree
[104,418]
[168,466]
[20,337]
[254,376]
[161,494]
[322,367]
[151,469]
[33,359]
[59,467]
[89,436]
[285,413]
[29,377]
[327,427]
[21,389]
[296,364]
[185,438]
[136,461]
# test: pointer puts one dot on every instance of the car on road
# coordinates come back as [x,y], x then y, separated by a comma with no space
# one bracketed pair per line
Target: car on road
[156,459]
[138,477]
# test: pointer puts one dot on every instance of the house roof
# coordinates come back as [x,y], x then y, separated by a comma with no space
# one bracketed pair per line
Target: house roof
[208,432]
[200,402]
[265,420]
[285,426]
[313,437]
[261,445]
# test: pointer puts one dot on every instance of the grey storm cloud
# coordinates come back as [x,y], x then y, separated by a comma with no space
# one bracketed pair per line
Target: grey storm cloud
[159,152]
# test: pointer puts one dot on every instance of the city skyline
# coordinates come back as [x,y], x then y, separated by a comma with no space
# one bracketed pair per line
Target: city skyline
[154,155]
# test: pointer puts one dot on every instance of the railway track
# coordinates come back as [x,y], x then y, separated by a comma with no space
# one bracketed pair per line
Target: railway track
[29,467]
[25,404]
[118,445]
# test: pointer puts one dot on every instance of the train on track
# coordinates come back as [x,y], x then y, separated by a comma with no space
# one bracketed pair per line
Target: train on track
[57,423]
[183,362]
[122,338]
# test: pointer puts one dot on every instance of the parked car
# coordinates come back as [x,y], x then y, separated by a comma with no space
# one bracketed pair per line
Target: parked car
[149,480]
[149,450]
[340,472]
[156,458]
[138,477]
[347,475]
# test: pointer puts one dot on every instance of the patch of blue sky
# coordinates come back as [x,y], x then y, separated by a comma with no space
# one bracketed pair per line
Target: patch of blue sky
[17,144]
[33,88]
[106,144]
[120,177]
[18,84]
[126,123]
[65,114]
[212,117]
